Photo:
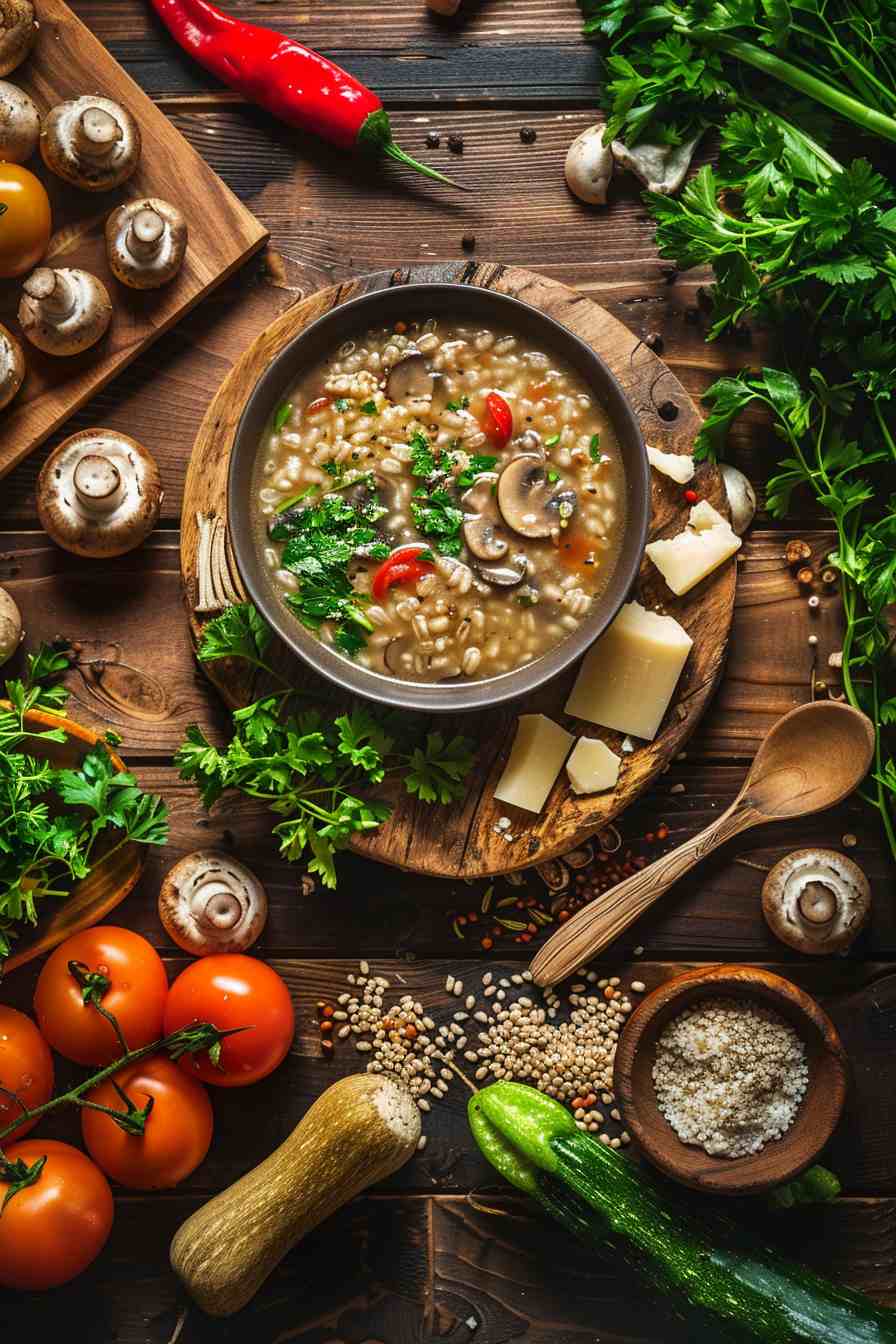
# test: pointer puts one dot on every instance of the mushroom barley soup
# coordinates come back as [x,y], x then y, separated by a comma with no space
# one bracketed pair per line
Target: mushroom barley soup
[440,500]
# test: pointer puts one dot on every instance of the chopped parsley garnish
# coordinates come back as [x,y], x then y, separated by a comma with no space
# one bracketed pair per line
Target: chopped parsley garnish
[281,415]
[479,463]
[553,477]
[423,462]
[369,407]
[320,543]
[460,405]
[292,500]
[552,441]
[594,448]
[437,516]
[342,403]
[336,470]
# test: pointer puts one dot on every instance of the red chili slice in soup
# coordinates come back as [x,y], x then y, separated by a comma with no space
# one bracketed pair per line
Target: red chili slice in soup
[498,420]
[401,567]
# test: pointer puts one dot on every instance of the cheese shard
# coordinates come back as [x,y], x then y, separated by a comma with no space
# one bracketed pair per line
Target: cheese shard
[705,543]
[676,466]
[627,677]
[592,766]
[536,758]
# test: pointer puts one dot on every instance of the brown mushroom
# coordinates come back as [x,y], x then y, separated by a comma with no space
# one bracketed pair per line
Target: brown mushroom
[441,393]
[64,311]
[92,142]
[18,31]
[210,903]
[409,378]
[12,366]
[527,501]
[99,493]
[11,631]
[504,576]
[19,124]
[816,900]
[145,242]
[481,529]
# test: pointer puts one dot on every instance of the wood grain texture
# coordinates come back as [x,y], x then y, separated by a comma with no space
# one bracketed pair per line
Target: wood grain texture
[66,61]
[819,1111]
[111,877]
[464,842]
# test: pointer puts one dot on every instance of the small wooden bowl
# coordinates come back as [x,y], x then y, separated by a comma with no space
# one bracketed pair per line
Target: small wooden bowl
[110,879]
[781,1159]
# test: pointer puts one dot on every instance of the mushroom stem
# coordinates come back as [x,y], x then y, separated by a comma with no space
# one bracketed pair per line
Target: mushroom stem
[817,903]
[215,904]
[98,484]
[96,133]
[52,290]
[145,234]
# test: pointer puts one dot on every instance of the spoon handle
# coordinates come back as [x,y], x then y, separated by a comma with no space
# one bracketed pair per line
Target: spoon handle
[595,925]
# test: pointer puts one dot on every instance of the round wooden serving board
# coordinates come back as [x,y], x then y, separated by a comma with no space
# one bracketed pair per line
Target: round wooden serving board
[463,841]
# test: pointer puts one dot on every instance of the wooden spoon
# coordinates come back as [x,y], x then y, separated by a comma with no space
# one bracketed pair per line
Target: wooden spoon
[811,759]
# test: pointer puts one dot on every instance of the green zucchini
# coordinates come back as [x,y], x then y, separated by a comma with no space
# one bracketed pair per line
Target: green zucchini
[705,1263]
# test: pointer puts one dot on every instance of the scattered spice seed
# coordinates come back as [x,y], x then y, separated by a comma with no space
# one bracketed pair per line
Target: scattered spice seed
[468,242]
[456,143]
[433,140]
[797,552]
[528,135]
[654,341]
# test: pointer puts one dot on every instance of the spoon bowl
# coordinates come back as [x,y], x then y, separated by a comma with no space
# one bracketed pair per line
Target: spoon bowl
[811,759]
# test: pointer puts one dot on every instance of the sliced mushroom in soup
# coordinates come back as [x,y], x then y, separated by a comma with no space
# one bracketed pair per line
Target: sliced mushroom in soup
[440,500]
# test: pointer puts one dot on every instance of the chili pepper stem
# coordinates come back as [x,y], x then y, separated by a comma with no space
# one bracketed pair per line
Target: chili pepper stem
[376,135]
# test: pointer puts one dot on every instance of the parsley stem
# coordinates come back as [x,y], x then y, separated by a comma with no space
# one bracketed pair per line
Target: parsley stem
[822,91]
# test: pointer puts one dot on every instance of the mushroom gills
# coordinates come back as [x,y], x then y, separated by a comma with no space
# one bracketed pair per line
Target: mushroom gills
[64,311]
[527,502]
[816,900]
[99,493]
[146,241]
[92,142]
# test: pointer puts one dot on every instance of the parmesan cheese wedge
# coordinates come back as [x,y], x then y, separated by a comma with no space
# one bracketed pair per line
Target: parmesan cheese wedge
[676,466]
[706,542]
[627,677]
[539,750]
[592,766]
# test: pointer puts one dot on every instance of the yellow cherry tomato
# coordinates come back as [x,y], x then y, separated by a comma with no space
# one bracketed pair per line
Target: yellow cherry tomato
[25,222]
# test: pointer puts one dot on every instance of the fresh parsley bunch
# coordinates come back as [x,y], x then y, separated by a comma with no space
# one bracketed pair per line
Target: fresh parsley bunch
[50,820]
[314,772]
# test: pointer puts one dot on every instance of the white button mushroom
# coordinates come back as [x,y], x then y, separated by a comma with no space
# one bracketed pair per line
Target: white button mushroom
[145,242]
[91,142]
[12,366]
[10,627]
[19,124]
[210,903]
[99,493]
[589,166]
[64,311]
[741,498]
[18,31]
[816,900]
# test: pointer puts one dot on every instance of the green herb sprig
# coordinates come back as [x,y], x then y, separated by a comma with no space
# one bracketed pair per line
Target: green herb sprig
[314,771]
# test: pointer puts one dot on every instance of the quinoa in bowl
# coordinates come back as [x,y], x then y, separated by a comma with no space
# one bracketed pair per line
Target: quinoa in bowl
[438,496]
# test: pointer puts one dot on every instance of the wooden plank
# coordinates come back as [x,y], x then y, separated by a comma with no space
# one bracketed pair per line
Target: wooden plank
[415,1270]
[860,996]
[333,216]
[66,60]
[139,676]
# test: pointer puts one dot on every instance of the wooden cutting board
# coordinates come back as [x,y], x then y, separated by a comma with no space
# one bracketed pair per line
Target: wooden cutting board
[67,61]
[464,841]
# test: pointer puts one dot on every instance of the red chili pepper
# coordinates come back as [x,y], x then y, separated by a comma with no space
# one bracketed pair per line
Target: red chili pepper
[319,404]
[401,567]
[296,84]
[498,420]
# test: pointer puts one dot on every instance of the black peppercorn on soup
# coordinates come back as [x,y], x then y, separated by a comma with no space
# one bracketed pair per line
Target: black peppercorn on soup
[440,500]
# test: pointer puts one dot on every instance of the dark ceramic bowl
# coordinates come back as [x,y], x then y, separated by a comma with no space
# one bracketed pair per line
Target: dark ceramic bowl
[384,307]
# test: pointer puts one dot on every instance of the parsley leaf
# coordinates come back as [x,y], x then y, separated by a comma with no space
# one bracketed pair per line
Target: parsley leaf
[423,462]
[460,404]
[479,463]
[437,516]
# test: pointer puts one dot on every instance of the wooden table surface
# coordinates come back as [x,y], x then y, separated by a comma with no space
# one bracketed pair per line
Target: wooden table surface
[418,1261]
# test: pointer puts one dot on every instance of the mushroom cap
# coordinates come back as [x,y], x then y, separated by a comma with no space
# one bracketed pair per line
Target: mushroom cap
[482,529]
[816,900]
[18,31]
[209,902]
[116,156]
[155,263]
[99,493]
[528,503]
[78,330]
[741,497]
[11,631]
[19,124]
[409,378]
[589,166]
[12,366]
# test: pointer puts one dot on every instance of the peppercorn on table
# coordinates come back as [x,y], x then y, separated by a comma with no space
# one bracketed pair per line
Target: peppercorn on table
[492,97]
